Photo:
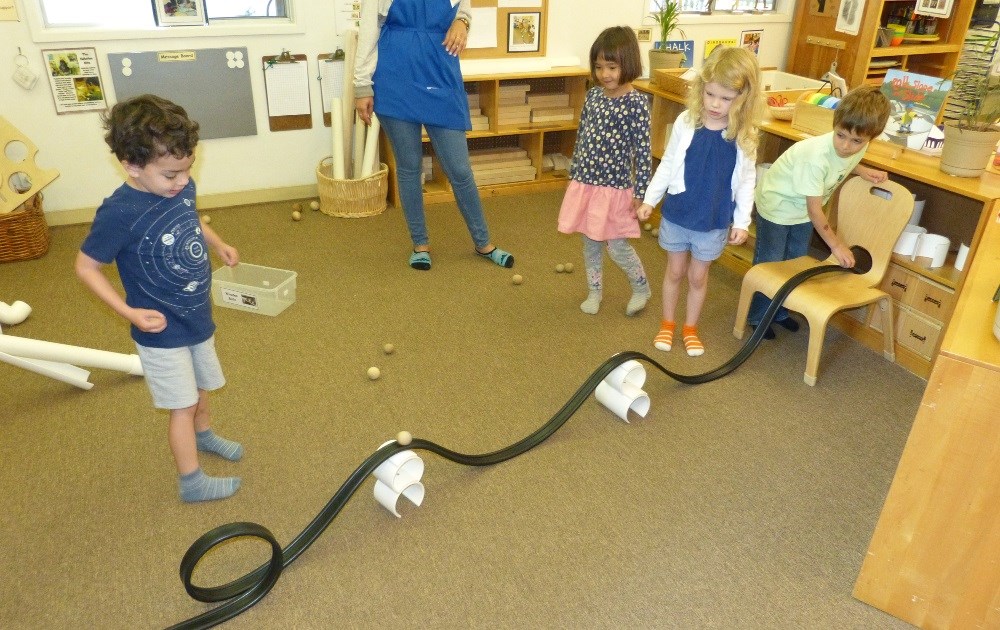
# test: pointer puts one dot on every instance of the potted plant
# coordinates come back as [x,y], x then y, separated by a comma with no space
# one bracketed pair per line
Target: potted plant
[970,139]
[667,14]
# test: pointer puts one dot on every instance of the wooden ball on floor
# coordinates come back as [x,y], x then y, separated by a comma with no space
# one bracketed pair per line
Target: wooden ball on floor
[374,373]
[296,215]
[517,279]
[314,205]
[207,219]
[388,348]
[404,438]
[560,268]
[568,267]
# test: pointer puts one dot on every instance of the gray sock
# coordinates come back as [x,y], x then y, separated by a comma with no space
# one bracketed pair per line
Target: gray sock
[638,301]
[197,486]
[212,443]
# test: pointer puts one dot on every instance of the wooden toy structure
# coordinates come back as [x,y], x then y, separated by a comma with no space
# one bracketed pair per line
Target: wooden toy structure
[20,177]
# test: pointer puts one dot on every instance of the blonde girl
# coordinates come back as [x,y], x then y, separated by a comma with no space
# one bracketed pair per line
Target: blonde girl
[708,175]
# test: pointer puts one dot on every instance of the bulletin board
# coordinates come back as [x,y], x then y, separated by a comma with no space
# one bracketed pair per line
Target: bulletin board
[212,84]
[504,9]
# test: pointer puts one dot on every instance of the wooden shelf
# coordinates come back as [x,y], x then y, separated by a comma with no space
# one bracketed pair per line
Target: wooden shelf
[908,50]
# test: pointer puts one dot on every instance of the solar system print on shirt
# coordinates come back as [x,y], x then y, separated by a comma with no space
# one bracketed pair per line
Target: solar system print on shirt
[160,251]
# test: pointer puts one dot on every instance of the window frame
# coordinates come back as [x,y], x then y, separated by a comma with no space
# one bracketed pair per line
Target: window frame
[41,33]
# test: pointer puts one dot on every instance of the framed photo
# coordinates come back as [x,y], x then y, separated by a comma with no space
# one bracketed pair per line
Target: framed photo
[524,32]
[935,8]
[179,12]
[75,79]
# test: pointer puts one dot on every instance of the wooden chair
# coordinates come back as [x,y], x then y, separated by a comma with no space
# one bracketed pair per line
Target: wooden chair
[869,215]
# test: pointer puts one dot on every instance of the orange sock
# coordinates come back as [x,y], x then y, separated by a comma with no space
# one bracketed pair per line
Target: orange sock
[691,342]
[665,338]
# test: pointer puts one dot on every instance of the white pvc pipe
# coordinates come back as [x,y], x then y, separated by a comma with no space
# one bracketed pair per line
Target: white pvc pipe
[60,371]
[337,123]
[15,313]
[350,41]
[48,351]
[371,148]
[359,146]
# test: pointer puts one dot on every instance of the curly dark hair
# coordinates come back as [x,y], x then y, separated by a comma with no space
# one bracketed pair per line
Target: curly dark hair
[146,127]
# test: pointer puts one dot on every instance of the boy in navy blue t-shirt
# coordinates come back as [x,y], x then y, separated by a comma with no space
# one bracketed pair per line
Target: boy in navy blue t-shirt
[150,229]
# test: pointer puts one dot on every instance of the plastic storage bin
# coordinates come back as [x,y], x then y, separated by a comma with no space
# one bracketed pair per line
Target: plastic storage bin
[254,288]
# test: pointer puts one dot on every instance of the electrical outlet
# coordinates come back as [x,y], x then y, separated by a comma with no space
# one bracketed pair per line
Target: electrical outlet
[644,34]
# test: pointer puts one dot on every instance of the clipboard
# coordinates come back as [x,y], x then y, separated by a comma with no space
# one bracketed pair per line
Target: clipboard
[286,83]
[331,79]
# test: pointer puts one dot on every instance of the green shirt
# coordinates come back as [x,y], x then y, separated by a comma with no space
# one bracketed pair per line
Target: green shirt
[809,168]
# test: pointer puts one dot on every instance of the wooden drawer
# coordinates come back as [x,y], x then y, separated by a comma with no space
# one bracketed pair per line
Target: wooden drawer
[917,332]
[931,299]
[899,283]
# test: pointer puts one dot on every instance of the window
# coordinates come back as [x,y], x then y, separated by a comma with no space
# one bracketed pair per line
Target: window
[138,15]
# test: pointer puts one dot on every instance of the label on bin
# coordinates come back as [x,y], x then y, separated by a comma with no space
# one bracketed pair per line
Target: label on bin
[241,300]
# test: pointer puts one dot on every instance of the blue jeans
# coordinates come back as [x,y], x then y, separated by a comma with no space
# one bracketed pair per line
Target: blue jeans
[776,242]
[453,153]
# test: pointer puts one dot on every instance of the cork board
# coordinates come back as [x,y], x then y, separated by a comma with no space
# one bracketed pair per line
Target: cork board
[503,21]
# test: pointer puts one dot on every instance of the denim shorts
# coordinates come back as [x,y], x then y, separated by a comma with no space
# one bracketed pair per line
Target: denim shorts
[704,246]
[174,375]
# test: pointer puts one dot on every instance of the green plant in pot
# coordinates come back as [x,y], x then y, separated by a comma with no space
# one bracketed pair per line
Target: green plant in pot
[970,140]
[667,14]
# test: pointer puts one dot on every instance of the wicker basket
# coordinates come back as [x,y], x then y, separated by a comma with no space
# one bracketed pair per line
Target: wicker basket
[24,234]
[351,198]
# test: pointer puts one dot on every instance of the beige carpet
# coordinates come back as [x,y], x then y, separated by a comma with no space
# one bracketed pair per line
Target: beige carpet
[747,502]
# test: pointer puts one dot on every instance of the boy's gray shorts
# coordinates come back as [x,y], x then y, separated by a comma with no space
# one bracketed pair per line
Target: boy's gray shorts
[174,375]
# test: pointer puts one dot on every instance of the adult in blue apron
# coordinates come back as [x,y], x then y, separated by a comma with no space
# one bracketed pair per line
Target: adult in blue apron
[407,72]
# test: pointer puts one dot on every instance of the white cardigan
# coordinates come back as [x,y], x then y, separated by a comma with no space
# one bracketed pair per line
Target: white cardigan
[669,176]
[373,13]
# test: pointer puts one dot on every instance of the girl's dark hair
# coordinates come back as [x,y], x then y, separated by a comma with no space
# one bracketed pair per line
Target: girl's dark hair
[146,127]
[619,45]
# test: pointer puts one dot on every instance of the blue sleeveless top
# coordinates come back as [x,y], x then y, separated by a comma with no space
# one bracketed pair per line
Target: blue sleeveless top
[707,201]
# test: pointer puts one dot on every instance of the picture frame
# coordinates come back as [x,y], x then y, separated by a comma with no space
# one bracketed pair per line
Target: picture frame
[180,12]
[524,31]
[934,8]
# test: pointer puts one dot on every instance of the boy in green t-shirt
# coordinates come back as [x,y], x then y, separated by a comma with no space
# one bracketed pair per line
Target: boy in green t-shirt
[791,194]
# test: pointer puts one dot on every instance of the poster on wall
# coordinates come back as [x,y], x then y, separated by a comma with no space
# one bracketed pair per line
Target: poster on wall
[849,16]
[75,80]
[712,44]
[523,32]
[751,40]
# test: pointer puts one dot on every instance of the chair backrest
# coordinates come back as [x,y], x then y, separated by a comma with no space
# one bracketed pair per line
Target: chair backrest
[873,216]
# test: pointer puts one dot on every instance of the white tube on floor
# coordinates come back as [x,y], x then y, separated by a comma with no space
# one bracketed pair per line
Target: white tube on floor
[359,146]
[62,353]
[337,148]
[620,402]
[371,148]
[15,313]
[63,372]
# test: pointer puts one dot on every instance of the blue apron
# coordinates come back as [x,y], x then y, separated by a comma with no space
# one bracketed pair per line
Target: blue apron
[416,79]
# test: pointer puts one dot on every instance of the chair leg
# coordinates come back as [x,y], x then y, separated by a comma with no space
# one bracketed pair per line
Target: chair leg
[888,334]
[742,309]
[817,333]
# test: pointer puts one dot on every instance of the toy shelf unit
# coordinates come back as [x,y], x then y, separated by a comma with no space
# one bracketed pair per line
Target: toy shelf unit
[890,35]
[523,133]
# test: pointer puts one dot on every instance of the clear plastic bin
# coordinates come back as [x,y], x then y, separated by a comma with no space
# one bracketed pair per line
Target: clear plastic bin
[253,288]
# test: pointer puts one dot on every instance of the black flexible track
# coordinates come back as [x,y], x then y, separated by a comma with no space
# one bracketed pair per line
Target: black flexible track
[244,592]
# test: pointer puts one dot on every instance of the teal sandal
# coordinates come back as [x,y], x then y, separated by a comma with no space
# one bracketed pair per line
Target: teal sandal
[420,260]
[500,257]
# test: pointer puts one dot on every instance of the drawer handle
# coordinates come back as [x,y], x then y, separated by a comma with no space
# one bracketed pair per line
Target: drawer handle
[928,298]
[897,283]
[918,337]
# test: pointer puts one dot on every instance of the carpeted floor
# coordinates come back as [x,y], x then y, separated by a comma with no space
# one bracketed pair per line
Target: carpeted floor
[747,502]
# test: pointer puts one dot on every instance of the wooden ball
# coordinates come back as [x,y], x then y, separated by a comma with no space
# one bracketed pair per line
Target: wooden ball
[404,438]
[388,348]
[296,215]
[560,268]
[296,206]
[314,205]
[207,219]
[374,373]
[568,267]
[517,279]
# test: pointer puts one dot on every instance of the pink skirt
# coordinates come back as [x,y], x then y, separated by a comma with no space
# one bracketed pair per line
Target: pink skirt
[600,212]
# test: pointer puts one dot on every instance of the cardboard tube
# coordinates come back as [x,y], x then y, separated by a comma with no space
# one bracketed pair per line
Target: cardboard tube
[337,124]
[75,355]
[62,372]
[371,148]
[359,146]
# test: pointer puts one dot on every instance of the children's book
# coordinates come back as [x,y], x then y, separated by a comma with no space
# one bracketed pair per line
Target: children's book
[916,100]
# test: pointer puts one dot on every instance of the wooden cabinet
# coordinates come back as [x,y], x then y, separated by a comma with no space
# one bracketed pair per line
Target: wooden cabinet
[530,140]
[861,58]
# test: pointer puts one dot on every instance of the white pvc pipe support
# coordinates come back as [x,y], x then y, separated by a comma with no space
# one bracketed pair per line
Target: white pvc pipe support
[400,470]
[389,497]
[15,313]
[371,148]
[620,402]
[631,372]
[337,148]
[75,355]
[63,372]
